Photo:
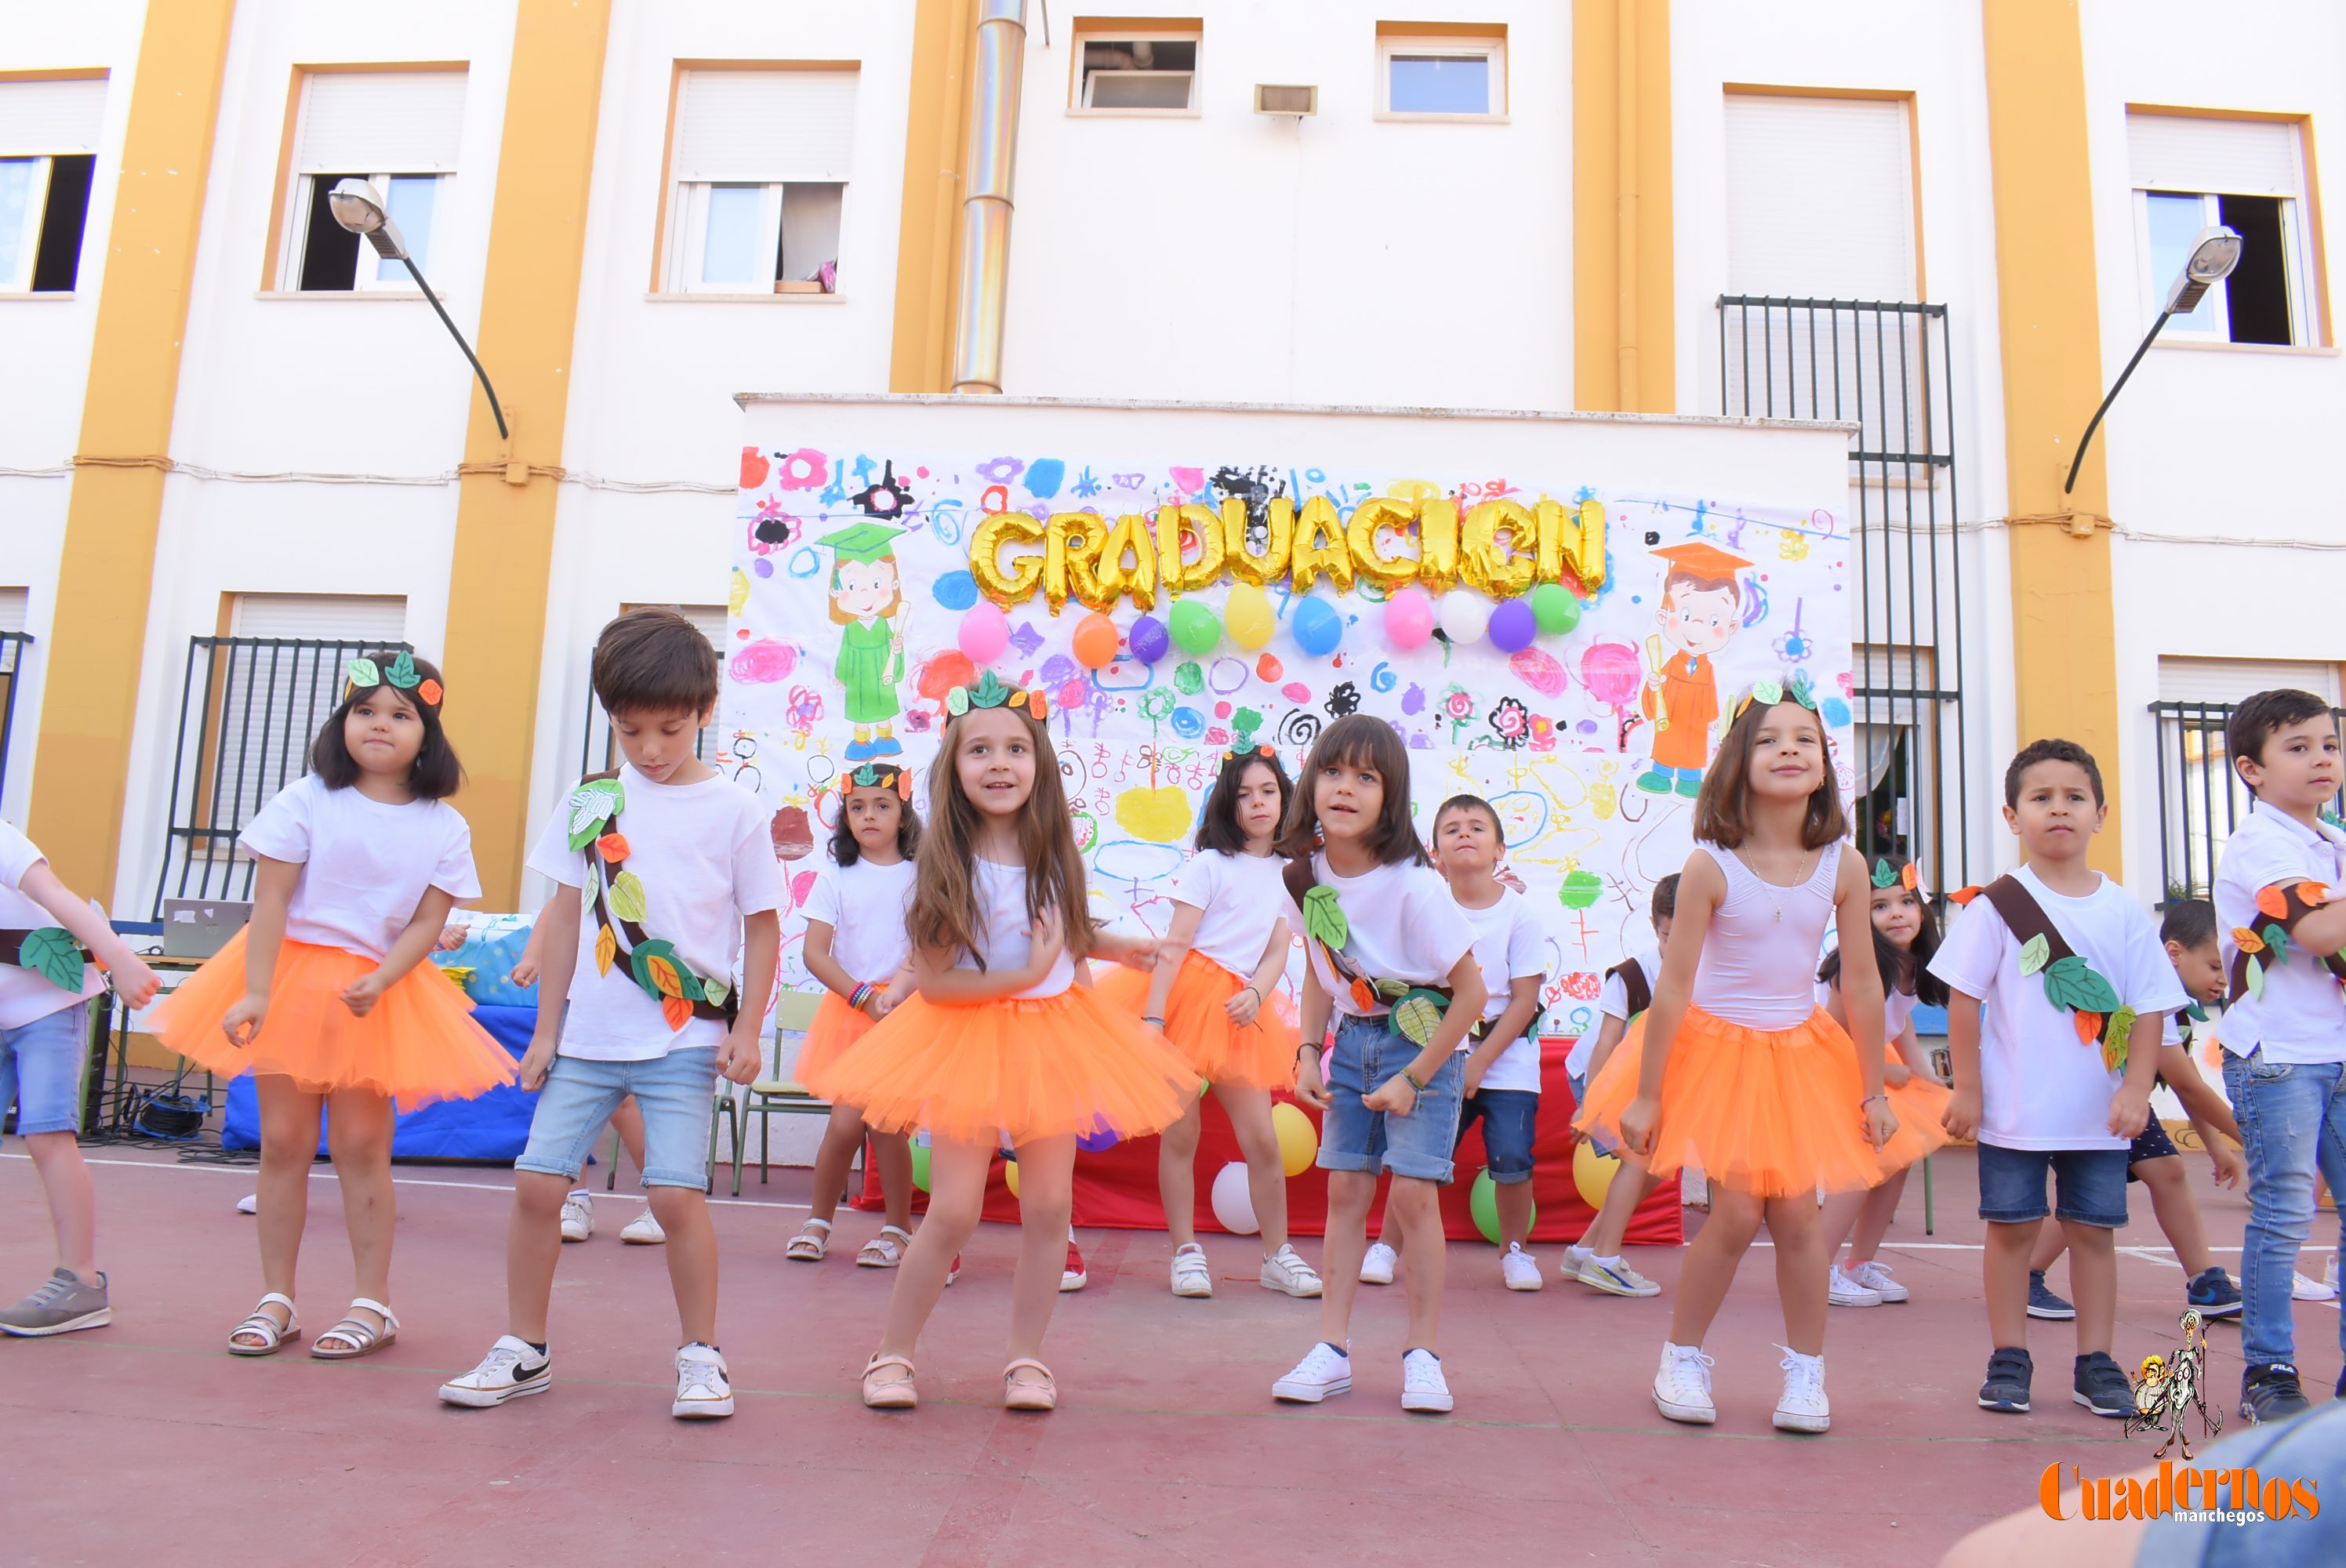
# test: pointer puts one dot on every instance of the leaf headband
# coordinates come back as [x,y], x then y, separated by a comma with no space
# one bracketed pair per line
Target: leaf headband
[1769,693]
[1904,876]
[989,692]
[876,774]
[365,675]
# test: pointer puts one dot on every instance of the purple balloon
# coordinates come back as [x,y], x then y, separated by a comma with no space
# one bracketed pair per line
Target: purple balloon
[1513,626]
[1101,1138]
[1148,639]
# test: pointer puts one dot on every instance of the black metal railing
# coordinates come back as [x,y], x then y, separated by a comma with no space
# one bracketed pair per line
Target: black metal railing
[13,645]
[2200,797]
[1884,367]
[249,708]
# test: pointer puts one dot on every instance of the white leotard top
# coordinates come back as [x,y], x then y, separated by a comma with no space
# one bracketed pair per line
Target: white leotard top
[1759,962]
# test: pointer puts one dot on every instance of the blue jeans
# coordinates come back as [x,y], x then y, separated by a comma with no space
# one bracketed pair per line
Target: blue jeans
[40,1071]
[2293,1119]
[1354,1138]
[676,1093]
[1510,1119]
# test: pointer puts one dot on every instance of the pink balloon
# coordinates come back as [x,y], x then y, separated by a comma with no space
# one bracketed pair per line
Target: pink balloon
[1409,619]
[985,633]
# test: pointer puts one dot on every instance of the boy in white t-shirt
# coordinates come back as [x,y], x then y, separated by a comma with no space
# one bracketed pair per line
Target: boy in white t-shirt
[2066,964]
[46,936]
[666,986]
[1595,1260]
[2285,1032]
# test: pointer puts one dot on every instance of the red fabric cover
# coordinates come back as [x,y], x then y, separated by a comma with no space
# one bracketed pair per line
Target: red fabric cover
[1117,1188]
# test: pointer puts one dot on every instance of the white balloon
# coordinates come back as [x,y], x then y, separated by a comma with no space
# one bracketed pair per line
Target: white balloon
[1463,616]
[1233,1203]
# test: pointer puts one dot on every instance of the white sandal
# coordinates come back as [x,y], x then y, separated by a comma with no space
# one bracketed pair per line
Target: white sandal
[885,1250]
[355,1333]
[811,1243]
[273,1335]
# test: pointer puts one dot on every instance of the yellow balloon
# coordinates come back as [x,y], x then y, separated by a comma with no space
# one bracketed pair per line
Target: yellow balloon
[1572,545]
[1204,527]
[1010,1174]
[1131,535]
[1320,547]
[1299,1144]
[1437,538]
[1360,540]
[1246,616]
[1246,565]
[1501,570]
[1069,547]
[1592,1173]
[1016,584]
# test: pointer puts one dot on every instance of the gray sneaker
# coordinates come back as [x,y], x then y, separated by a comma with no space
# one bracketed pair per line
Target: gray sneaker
[60,1307]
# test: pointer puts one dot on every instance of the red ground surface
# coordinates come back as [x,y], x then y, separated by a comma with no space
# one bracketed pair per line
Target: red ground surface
[145,1441]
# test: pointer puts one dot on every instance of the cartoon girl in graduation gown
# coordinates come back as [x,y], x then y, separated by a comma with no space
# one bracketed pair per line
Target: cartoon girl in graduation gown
[867,597]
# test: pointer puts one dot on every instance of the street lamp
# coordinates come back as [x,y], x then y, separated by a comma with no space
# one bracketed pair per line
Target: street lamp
[2213,256]
[359,207]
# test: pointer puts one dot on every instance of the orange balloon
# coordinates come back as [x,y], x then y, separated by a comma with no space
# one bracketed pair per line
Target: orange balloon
[1095,641]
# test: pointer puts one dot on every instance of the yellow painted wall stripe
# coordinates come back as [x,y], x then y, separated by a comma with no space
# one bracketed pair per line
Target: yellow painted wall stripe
[107,574]
[529,317]
[2065,657]
[1623,277]
[920,357]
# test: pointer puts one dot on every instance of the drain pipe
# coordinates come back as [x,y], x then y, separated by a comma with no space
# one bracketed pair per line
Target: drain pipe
[985,200]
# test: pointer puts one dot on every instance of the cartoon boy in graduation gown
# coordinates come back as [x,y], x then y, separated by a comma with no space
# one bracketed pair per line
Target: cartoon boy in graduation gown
[867,598]
[1703,610]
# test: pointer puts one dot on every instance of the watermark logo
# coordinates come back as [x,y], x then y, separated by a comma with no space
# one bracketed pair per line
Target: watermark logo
[2168,1389]
[2238,1496]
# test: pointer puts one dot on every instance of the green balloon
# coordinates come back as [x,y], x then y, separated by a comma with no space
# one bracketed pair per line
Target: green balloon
[1484,1201]
[1194,627]
[920,1165]
[1555,608]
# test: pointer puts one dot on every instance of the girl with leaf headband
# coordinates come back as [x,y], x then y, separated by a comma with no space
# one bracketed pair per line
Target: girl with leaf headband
[1002,1033]
[325,997]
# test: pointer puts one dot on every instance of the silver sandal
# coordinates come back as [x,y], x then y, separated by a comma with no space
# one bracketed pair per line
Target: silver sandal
[353,1336]
[885,1250]
[274,1335]
[811,1243]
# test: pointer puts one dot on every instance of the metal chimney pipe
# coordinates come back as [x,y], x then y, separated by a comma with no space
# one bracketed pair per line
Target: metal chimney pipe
[985,200]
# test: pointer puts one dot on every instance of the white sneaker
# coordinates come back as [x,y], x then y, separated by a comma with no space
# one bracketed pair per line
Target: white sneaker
[1843,1291]
[248,1203]
[577,1216]
[1074,1276]
[644,1230]
[1682,1385]
[1422,1386]
[1615,1277]
[703,1391]
[1874,1274]
[1377,1265]
[1286,1272]
[1324,1370]
[1574,1257]
[1519,1269]
[1803,1407]
[509,1371]
[1191,1277]
[2300,1289]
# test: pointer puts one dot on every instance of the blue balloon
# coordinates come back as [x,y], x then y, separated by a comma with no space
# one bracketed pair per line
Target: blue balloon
[1317,627]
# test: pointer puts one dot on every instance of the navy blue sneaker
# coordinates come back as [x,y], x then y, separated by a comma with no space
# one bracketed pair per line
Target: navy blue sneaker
[2101,1386]
[2009,1371]
[2213,1295]
[2270,1391]
[2043,1303]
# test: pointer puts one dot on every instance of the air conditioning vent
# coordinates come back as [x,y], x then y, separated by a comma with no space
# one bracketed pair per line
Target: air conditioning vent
[1277,100]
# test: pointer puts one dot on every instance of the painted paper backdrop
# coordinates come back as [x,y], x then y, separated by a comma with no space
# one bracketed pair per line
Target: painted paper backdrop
[851,647]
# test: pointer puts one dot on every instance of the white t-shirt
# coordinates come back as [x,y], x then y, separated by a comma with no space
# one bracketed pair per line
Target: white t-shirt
[1613,1002]
[706,860]
[1005,934]
[865,906]
[25,995]
[1241,899]
[2040,1088]
[1508,945]
[365,865]
[1897,1010]
[1404,925]
[2301,1016]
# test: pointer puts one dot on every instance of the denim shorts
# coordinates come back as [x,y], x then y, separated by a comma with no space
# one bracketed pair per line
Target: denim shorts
[40,1071]
[2089,1184]
[1579,1081]
[1354,1138]
[1510,1117]
[674,1092]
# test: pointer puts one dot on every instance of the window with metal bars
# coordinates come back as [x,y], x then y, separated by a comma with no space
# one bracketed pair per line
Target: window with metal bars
[12,647]
[2200,797]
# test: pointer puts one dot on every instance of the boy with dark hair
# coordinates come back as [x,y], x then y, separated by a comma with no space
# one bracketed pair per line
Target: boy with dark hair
[2061,957]
[2285,1034]
[667,988]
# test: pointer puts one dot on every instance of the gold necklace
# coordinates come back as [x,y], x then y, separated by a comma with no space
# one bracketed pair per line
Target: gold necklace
[1773,889]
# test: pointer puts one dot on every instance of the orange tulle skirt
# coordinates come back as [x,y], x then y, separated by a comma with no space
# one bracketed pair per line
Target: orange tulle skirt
[836,1027]
[1033,1069]
[1768,1111]
[1261,1053]
[1920,1103]
[418,1043]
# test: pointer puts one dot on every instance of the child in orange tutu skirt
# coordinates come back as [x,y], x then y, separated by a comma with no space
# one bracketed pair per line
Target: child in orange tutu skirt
[1735,1067]
[1213,995]
[1002,1034]
[325,997]
[856,945]
[1905,936]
